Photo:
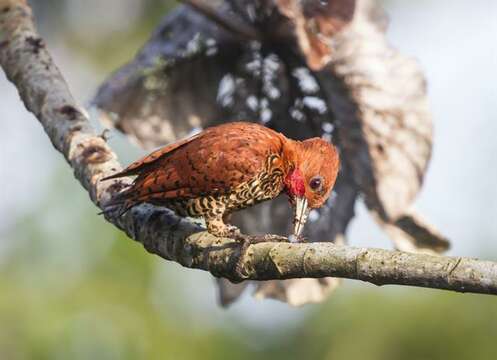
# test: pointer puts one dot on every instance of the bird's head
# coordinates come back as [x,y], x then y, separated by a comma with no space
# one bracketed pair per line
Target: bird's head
[311,173]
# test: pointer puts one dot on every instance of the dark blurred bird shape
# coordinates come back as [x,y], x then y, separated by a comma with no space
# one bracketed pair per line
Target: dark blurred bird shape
[230,167]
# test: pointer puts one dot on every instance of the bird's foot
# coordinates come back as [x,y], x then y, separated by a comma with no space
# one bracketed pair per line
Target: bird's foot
[223,230]
[232,231]
[256,239]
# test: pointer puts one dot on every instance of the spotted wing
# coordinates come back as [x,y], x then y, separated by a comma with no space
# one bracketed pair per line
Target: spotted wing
[141,165]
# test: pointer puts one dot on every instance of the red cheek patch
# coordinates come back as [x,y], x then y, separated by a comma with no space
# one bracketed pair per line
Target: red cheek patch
[295,184]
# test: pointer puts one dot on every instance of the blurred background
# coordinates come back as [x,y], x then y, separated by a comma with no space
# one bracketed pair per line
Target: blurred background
[71,286]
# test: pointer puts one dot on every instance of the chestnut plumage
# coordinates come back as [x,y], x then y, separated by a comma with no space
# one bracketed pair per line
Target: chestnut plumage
[230,167]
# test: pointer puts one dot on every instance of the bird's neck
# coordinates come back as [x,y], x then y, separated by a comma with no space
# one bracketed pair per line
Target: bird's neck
[292,154]
[294,179]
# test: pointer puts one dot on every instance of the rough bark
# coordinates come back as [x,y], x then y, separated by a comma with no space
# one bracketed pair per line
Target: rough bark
[27,63]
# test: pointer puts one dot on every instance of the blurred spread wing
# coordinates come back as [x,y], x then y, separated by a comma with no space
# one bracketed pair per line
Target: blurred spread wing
[172,85]
[386,132]
[193,73]
[370,101]
[315,23]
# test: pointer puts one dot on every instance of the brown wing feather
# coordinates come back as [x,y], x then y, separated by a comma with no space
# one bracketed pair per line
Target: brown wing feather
[146,161]
[212,162]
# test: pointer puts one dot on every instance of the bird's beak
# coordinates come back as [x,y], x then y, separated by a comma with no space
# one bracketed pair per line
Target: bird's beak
[301,211]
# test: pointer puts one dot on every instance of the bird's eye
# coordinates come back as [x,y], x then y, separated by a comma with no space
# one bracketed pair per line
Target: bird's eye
[316,183]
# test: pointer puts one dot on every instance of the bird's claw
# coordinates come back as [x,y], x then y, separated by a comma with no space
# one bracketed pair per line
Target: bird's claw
[256,239]
[232,230]
[303,239]
[275,238]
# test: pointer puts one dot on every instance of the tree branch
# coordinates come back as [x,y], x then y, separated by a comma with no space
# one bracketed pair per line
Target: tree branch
[29,66]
